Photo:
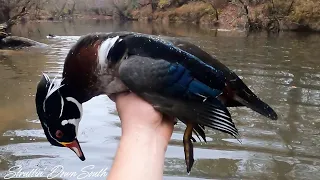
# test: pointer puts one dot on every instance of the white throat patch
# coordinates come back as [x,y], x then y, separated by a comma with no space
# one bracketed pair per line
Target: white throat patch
[74,122]
[104,50]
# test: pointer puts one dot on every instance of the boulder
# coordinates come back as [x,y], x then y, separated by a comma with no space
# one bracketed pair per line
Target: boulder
[9,42]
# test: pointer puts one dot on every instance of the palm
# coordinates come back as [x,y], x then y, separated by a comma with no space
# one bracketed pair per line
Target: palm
[137,114]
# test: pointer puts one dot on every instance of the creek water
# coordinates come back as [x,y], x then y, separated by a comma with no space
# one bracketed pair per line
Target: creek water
[282,70]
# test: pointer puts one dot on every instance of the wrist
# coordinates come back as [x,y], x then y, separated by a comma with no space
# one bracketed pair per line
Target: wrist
[140,135]
[140,156]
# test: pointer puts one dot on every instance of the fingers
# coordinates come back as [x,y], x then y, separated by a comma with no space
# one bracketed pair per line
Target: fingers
[131,106]
[134,112]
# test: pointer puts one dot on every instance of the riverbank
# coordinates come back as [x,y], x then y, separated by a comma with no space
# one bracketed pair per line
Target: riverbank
[263,15]
[283,70]
[279,15]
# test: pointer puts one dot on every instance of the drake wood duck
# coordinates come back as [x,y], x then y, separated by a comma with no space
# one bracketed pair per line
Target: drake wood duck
[176,77]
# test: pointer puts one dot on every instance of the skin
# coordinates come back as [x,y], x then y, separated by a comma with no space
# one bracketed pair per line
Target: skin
[145,137]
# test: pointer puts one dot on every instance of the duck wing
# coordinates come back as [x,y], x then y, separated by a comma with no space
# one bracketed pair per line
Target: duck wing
[172,90]
[236,92]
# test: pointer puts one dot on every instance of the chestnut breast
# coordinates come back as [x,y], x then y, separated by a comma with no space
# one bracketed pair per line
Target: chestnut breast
[83,73]
[80,68]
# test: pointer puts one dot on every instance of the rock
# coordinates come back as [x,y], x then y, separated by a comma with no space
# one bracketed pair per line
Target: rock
[18,42]
[3,27]
[3,35]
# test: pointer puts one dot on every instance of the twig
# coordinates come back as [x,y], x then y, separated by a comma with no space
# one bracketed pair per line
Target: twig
[290,7]
[214,8]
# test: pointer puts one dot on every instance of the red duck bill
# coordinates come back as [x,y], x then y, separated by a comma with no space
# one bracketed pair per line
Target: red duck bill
[75,147]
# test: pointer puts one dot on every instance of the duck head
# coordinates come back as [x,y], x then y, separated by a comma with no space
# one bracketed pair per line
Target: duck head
[89,70]
[59,114]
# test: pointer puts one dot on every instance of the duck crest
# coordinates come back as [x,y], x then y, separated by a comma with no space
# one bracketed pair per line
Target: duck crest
[54,86]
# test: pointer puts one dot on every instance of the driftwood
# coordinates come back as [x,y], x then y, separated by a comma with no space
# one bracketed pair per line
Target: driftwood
[18,42]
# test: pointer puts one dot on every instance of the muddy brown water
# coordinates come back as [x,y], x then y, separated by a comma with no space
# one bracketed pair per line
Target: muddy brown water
[283,70]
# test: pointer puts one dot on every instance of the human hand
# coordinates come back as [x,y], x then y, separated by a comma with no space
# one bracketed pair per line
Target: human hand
[145,137]
[138,115]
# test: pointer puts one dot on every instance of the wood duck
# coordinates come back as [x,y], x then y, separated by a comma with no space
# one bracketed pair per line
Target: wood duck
[176,77]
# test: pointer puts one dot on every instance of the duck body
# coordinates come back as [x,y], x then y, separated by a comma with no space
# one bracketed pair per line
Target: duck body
[176,77]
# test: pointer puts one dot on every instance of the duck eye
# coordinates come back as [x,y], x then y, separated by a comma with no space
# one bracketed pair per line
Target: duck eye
[59,134]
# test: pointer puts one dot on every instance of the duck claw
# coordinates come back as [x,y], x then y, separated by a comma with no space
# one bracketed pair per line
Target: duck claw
[188,147]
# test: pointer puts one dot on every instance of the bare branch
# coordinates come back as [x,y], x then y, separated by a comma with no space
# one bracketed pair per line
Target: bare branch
[290,7]
[216,4]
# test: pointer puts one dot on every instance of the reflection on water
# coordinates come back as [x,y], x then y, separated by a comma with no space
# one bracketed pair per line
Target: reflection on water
[283,71]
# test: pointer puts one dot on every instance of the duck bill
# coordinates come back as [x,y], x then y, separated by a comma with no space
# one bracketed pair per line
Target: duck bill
[75,147]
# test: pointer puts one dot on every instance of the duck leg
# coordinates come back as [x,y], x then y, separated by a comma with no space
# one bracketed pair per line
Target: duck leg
[188,146]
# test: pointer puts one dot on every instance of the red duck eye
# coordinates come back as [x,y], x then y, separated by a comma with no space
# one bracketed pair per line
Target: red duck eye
[59,134]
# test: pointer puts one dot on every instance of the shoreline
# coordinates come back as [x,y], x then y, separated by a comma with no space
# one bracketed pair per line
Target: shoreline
[208,25]
[236,15]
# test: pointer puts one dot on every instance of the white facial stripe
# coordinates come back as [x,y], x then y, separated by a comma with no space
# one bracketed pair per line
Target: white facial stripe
[46,76]
[105,48]
[62,104]
[54,86]
[64,122]
[71,99]
[51,135]
[75,122]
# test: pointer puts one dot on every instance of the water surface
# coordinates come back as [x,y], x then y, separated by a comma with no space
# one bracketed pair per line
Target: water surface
[283,70]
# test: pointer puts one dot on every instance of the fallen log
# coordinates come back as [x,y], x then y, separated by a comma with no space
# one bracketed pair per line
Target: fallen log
[10,42]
